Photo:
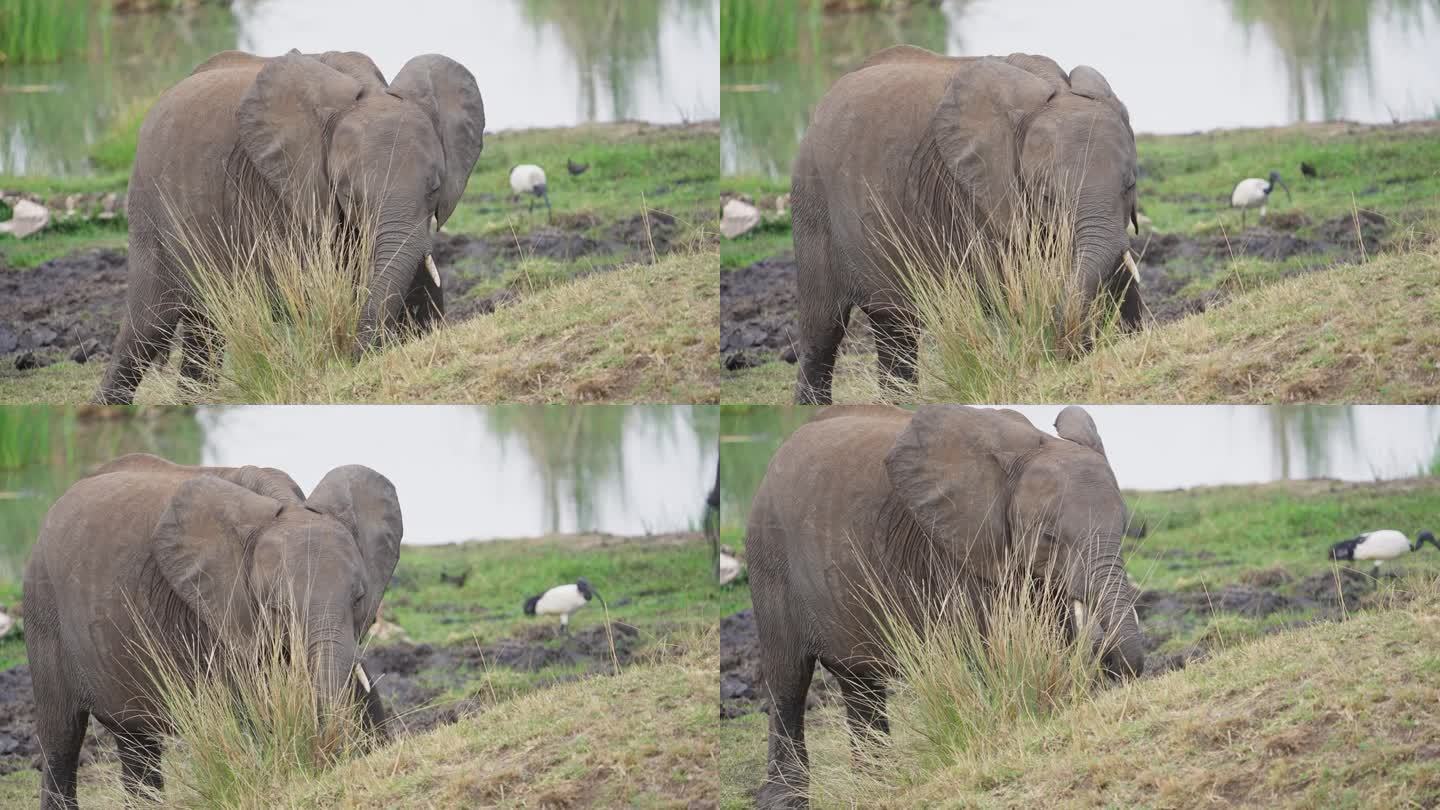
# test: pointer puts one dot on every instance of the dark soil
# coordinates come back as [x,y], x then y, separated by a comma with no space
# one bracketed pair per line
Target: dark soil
[1323,596]
[48,313]
[418,683]
[758,307]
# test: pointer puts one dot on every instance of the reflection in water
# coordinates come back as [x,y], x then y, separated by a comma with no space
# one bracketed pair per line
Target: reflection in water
[1240,63]
[462,472]
[538,62]
[1154,447]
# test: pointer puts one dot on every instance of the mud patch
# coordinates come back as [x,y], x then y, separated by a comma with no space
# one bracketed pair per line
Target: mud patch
[55,311]
[1328,595]
[758,306]
[417,682]
[52,310]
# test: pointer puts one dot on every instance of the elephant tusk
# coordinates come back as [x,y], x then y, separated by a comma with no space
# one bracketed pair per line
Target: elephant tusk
[434,223]
[1132,267]
[362,678]
[1079,610]
[430,265]
[1135,613]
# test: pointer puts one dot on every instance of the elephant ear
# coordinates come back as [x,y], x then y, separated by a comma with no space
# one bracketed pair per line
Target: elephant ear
[948,457]
[1074,423]
[282,120]
[1042,66]
[267,481]
[448,93]
[357,66]
[1087,81]
[971,147]
[199,545]
[365,501]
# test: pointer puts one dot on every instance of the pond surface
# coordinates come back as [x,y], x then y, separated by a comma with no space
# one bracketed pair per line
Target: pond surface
[1179,65]
[462,472]
[1156,447]
[538,62]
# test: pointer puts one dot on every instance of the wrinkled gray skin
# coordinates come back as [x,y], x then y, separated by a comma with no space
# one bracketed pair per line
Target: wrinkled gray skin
[195,553]
[245,134]
[914,146]
[930,503]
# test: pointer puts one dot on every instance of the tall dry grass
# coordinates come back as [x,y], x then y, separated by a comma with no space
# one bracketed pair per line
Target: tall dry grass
[960,693]
[991,313]
[280,298]
[245,726]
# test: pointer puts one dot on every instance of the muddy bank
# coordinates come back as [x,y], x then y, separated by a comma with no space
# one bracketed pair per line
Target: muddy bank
[1164,615]
[758,307]
[71,307]
[419,683]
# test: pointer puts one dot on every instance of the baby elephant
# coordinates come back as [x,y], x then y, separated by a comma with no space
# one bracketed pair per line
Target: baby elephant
[928,503]
[189,557]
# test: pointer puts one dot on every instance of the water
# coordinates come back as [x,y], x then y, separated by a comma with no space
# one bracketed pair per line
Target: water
[1179,65]
[538,62]
[461,472]
[1157,447]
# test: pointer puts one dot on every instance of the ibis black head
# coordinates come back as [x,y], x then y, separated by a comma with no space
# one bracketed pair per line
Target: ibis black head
[1425,537]
[1275,180]
[586,591]
[1345,549]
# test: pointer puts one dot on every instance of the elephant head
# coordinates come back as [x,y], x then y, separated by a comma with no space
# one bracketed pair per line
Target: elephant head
[327,129]
[1020,134]
[230,553]
[1052,503]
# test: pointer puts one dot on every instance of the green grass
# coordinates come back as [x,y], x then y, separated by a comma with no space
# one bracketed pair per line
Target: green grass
[57,241]
[24,435]
[761,30]
[115,151]
[33,31]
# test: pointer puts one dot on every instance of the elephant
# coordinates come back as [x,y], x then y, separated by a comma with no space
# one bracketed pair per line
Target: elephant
[189,558]
[315,138]
[865,501]
[942,154]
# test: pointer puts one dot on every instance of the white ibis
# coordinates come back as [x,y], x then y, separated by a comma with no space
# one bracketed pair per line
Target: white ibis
[1252,192]
[527,178]
[730,566]
[561,600]
[1380,545]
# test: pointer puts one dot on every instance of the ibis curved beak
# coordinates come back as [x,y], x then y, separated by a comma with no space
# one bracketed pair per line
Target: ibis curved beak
[1288,198]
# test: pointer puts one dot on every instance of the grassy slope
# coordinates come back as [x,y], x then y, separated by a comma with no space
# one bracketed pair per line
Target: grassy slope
[1315,338]
[1246,529]
[672,603]
[646,333]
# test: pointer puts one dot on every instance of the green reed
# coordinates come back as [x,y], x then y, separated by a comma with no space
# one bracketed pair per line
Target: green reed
[34,31]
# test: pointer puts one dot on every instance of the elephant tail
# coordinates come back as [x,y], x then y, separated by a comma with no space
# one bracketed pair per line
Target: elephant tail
[530,605]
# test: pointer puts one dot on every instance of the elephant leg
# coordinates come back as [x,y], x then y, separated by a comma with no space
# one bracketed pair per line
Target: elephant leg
[140,764]
[62,733]
[144,338]
[822,327]
[864,708]
[896,350]
[200,358]
[787,678]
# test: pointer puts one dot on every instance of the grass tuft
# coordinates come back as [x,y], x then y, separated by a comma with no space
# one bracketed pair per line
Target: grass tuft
[762,30]
[47,30]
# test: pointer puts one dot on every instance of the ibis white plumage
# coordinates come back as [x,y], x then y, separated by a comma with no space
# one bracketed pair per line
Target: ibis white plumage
[1379,545]
[529,179]
[1253,192]
[562,601]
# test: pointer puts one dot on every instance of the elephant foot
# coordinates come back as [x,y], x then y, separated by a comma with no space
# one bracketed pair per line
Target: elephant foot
[778,796]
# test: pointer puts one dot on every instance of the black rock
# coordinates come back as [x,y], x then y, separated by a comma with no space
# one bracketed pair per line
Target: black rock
[89,348]
[26,361]
[788,355]
[37,337]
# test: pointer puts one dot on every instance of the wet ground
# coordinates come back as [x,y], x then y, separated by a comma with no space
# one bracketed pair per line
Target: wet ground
[1164,615]
[757,303]
[71,307]
[423,686]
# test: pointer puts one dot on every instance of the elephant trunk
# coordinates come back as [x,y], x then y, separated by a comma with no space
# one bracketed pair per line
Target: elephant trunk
[1113,598]
[333,656]
[402,248]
